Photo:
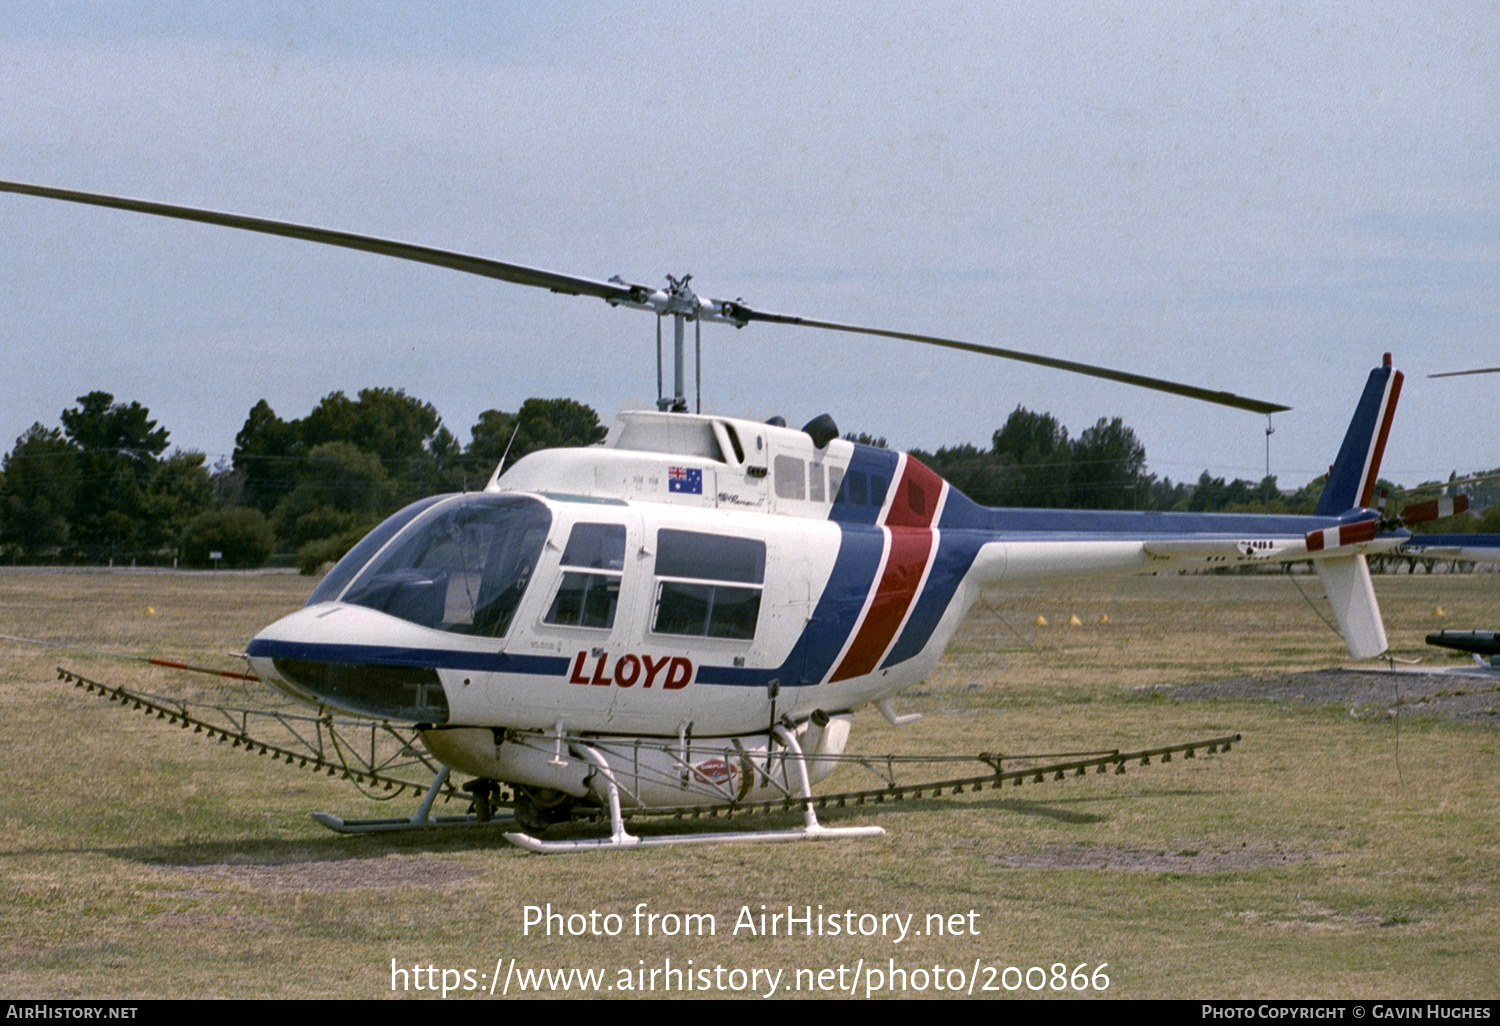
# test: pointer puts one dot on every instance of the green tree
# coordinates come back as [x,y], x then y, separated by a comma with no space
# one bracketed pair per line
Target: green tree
[1106,465]
[267,453]
[38,491]
[342,489]
[120,445]
[420,456]
[242,534]
[1036,445]
[400,430]
[180,490]
[539,424]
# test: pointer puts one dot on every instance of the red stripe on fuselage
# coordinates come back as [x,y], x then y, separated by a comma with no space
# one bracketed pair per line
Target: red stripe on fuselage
[1372,472]
[914,504]
[894,594]
[919,492]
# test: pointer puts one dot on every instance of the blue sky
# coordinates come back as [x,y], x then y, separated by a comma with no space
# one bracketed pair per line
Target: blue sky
[1252,198]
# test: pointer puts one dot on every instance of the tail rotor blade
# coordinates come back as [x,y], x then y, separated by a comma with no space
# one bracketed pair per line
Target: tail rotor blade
[1435,509]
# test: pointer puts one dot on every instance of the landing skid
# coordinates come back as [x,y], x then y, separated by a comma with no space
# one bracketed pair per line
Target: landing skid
[422,819]
[384,826]
[619,837]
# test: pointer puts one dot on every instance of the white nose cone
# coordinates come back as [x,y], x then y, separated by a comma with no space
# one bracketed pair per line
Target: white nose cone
[355,659]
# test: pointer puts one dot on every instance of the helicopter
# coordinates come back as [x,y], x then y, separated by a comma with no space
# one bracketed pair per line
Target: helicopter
[690,613]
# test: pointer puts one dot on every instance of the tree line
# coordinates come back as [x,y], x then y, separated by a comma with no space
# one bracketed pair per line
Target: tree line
[1033,461]
[103,487]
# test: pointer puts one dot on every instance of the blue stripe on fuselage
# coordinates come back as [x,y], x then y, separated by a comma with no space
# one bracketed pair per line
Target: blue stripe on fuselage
[955,554]
[875,468]
[395,655]
[1126,525]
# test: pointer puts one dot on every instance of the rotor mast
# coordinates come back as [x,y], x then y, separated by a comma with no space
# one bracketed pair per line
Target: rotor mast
[681,304]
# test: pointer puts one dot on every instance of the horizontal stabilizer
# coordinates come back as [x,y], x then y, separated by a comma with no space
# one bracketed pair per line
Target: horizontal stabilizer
[1478,642]
[1470,548]
[1347,534]
[1346,579]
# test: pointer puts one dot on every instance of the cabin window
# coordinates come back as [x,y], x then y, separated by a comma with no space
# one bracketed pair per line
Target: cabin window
[815,482]
[835,481]
[596,546]
[734,440]
[588,597]
[857,485]
[858,488]
[916,499]
[462,566]
[791,478]
[708,585]
[340,576]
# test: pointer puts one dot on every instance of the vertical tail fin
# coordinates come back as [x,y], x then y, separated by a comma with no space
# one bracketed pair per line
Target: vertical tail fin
[1351,485]
[1352,595]
[1351,481]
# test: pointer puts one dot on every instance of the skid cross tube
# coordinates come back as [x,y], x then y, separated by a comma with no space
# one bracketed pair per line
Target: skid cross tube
[620,837]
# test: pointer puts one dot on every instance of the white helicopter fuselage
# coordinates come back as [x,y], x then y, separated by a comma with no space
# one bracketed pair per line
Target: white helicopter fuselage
[641,664]
[751,575]
[702,577]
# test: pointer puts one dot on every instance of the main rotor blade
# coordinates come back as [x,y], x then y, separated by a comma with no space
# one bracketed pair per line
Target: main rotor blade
[1430,486]
[1456,374]
[610,291]
[740,311]
[516,273]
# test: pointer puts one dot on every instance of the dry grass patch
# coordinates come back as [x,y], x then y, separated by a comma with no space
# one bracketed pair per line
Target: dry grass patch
[1324,857]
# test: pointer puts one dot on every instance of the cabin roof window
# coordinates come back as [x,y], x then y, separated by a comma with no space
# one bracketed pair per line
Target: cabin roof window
[734,441]
[680,436]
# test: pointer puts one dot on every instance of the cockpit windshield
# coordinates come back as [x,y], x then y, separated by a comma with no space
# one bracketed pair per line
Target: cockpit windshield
[461,566]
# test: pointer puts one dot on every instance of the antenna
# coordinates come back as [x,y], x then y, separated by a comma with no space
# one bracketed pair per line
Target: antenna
[1269,432]
[515,431]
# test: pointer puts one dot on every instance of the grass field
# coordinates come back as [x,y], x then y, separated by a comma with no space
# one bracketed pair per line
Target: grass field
[1336,852]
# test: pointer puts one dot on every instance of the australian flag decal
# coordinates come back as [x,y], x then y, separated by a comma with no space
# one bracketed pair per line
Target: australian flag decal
[687,480]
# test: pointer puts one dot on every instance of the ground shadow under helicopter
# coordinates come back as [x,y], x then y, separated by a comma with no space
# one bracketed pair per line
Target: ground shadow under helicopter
[331,849]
